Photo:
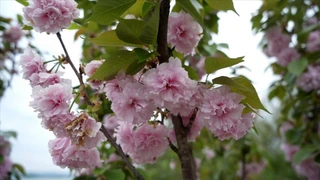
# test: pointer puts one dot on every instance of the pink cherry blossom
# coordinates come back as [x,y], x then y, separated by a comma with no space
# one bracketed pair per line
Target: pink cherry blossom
[221,113]
[150,143]
[64,154]
[310,80]
[144,144]
[44,79]
[84,131]
[57,123]
[114,88]
[287,55]
[32,64]
[132,105]
[289,151]
[110,122]
[12,34]
[308,168]
[277,41]
[285,126]
[90,69]
[53,100]
[5,167]
[113,157]
[209,153]
[170,87]
[184,33]
[50,15]
[313,43]
[4,146]
[252,168]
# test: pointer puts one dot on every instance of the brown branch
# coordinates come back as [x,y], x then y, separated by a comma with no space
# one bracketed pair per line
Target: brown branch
[172,146]
[188,166]
[102,129]
[162,47]
[184,150]
[68,59]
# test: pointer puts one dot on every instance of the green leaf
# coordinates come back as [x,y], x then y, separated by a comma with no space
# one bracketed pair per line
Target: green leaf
[9,134]
[143,55]
[25,27]
[191,73]
[277,91]
[223,5]
[1,158]
[297,67]
[193,8]
[136,9]
[20,168]
[255,129]
[110,38]
[304,153]
[129,30]
[107,11]
[213,64]
[135,67]
[150,29]
[74,26]
[113,64]
[147,6]
[242,86]
[115,174]
[23,2]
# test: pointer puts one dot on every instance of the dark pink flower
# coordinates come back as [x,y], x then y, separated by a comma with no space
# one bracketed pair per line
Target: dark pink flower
[184,33]
[313,43]
[287,55]
[289,151]
[310,80]
[277,41]
[308,168]
[50,15]
[5,167]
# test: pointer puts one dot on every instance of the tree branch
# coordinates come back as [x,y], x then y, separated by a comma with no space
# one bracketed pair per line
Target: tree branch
[102,129]
[184,150]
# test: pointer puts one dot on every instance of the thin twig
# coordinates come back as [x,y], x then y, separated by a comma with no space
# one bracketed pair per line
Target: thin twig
[172,146]
[102,129]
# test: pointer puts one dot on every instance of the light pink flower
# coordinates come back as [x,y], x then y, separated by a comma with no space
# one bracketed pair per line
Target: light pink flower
[287,55]
[110,122]
[84,131]
[5,167]
[209,153]
[184,33]
[32,64]
[44,79]
[53,100]
[285,126]
[221,113]
[289,150]
[50,15]
[308,168]
[57,123]
[170,87]
[4,146]
[144,144]
[113,157]
[313,43]
[64,154]
[90,69]
[12,34]
[252,168]
[114,88]
[132,105]
[310,80]
[277,41]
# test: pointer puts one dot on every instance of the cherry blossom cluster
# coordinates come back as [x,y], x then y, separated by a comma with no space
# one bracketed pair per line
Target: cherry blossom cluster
[13,34]
[77,135]
[308,167]
[278,46]
[5,163]
[50,16]
[168,90]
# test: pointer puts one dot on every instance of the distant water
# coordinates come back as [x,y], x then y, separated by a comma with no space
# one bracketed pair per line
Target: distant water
[47,176]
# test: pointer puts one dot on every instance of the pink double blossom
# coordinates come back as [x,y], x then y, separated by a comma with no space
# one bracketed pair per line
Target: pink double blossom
[52,100]
[221,113]
[84,131]
[310,80]
[13,34]
[308,168]
[277,41]
[57,123]
[184,33]
[114,88]
[287,55]
[170,87]
[32,64]
[50,15]
[313,43]
[5,167]
[132,105]
[144,144]
[110,122]
[90,69]
[64,154]
[289,150]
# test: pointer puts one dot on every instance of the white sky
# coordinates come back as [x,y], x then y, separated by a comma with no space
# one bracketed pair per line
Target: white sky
[30,149]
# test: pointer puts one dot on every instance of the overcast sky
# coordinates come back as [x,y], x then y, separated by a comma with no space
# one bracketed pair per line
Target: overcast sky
[31,150]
